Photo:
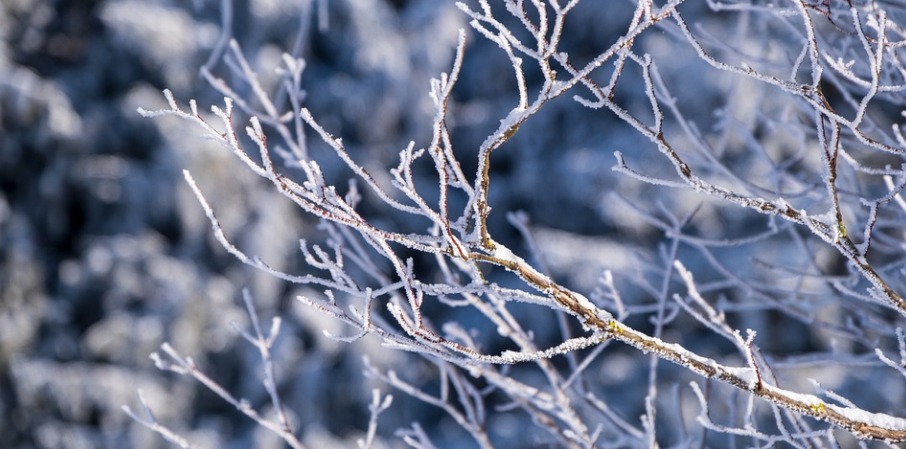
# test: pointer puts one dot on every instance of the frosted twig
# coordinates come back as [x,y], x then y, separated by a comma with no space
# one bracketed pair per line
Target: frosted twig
[186,366]
[264,343]
[150,421]
[376,408]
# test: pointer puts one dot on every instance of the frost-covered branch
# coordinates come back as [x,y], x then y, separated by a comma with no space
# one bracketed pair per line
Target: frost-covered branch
[386,279]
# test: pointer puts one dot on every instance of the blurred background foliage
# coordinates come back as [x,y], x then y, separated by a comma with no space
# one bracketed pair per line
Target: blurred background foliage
[104,253]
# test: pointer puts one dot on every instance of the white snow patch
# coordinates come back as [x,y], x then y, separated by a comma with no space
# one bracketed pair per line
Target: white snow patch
[502,252]
[872,419]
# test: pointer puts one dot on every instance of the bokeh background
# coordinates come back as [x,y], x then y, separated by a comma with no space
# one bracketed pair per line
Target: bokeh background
[105,254]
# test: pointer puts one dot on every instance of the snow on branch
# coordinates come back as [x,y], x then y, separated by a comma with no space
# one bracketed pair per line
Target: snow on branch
[382,281]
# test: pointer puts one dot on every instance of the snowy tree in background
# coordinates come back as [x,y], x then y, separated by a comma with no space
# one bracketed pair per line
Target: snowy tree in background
[548,224]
